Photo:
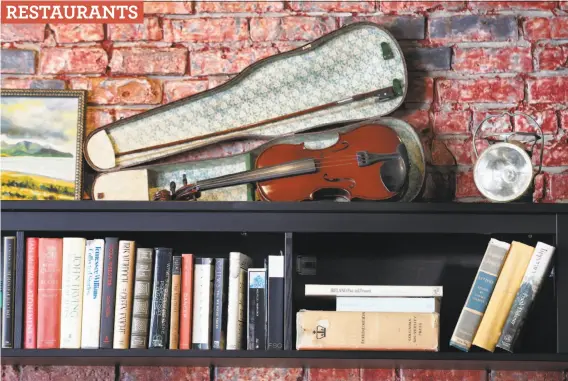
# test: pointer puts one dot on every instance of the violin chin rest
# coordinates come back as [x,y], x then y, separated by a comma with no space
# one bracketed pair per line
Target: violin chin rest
[394,173]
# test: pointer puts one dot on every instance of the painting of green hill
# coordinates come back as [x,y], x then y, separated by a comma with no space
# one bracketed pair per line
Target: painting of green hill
[25,148]
[19,186]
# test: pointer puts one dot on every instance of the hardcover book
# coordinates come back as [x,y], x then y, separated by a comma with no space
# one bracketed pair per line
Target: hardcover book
[275,302]
[160,314]
[174,310]
[19,290]
[256,301]
[372,304]
[237,300]
[124,285]
[202,303]
[142,296]
[72,291]
[220,303]
[94,263]
[365,290]
[30,313]
[186,313]
[9,254]
[109,293]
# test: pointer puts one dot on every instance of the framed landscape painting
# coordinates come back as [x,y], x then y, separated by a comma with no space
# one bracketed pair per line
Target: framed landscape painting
[41,144]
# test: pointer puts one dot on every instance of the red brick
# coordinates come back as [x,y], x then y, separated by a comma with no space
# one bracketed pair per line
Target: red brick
[492,60]
[284,46]
[154,373]
[555,153]
[418,119]
[537,28]
[10,373]
[127,113]
[120,90]
[238,6]
[442,375]
[97,117]
[332,374]
[150,30]
[174,90]
[32,83]
[539,187]
[564,4]
[78,60]
[164,61]
[496,123]
[525,376]
[409,27]
[420,6]
[280,374]
[506,5]
[548,90]
[65,373]
[22,32]
[217,61]
[168,7]
[483,90]
[422,90]
[332,6]
[465,186]
[378,375]
[455,151]
[552,57]
[65,33]
[546,119]
[453,122]
[555,190]
[290,28]
[206,29]
[217,80]
[564,120]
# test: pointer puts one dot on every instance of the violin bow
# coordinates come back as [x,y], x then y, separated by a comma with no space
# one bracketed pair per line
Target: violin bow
[383,94]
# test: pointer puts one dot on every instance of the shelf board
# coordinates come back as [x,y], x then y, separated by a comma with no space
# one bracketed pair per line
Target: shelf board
[335,359]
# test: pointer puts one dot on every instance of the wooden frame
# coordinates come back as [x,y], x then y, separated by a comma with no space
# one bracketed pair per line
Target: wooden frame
[81,96]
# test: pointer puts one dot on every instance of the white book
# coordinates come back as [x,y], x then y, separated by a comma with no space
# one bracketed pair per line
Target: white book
[72,291]
[378,304]
[124,288]
[202,303]
[236,300]
[92,294]
[332,290]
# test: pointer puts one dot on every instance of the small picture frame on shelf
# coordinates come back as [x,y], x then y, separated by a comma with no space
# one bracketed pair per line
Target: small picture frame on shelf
[42,144]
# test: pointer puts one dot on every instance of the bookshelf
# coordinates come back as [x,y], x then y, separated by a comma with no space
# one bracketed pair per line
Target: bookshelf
[365,243]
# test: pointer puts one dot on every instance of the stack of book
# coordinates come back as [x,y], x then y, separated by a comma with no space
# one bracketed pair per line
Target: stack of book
[507,281]
[403,318]
[108,293]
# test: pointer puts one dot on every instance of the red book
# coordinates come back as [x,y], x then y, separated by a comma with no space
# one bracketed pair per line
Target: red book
[186,301]
[50,263]
[30,322]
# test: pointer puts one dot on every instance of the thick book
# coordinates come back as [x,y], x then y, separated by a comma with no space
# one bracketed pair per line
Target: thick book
[202,303]
[142,296]
[30,313]
[50,265]
[275,338]
[72,291]
[186,309]
[256,307]
[371,304]
[109,293]
[160,314]
[507,286]
[388,331]
[124,290]
[539,268]
[324,290]
[174,309]
[479,294]
[19,289]
[239,264]
[220,303]
[288,306]
[92,299]
[8,271]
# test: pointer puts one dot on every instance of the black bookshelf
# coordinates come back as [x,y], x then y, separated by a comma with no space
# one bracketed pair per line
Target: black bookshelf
[406,243]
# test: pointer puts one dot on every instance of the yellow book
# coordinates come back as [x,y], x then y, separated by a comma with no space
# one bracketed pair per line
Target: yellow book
[506,289]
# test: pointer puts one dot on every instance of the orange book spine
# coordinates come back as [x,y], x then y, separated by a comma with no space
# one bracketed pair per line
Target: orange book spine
[30,322]
[186,301]
[50,264]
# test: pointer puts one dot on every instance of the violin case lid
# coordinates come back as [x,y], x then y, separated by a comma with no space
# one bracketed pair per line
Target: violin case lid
[355,59]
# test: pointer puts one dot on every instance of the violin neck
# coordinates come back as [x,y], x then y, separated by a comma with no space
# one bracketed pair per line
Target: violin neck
[293,168]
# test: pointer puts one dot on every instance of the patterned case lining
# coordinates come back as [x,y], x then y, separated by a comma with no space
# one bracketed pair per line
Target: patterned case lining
[344,63]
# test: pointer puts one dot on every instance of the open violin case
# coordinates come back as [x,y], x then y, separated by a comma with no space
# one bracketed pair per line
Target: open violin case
[359,58]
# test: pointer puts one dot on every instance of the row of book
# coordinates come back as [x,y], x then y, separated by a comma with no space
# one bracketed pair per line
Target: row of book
[108,293]
[507,281]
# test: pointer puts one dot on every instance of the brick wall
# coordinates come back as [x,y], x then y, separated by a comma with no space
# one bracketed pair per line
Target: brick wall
[465,59]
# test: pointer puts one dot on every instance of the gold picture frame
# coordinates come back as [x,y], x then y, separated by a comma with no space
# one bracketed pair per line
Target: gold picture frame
[42,134]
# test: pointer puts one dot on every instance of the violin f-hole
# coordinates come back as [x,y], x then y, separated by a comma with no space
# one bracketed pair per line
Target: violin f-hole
[338,179]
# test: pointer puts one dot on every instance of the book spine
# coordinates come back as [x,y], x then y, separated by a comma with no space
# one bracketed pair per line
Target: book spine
[203,300]
[275,302]
[124,283]
[382,291]
[479,294]
[30,327]
[50,264]
[186,301]
[507,286]
[19,289]
[159,317]
[236,313]
[8,270]
[94,263]
[72,292]
[362,304]
[538,269]
[142,295]
[288,308]
[220,304]
[174,310]
[109,293]
[256,333]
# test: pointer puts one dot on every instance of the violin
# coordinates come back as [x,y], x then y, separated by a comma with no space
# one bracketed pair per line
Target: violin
[367,163]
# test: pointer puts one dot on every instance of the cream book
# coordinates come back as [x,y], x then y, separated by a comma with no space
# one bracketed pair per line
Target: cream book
[72,291]
[389,331]
[92,301]
[124,291]
[332,290]
[239,264]
[506,288]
